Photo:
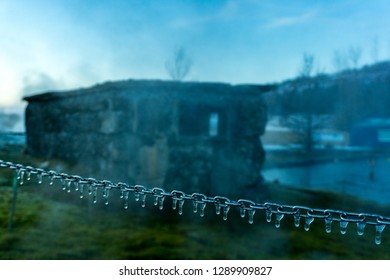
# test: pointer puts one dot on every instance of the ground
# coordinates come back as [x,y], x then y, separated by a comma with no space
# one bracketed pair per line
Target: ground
[52,224]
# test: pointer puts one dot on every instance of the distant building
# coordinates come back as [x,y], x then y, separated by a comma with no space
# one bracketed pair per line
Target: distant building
[201,137]
[373,133]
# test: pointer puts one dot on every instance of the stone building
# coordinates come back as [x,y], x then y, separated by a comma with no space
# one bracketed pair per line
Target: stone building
[191,136]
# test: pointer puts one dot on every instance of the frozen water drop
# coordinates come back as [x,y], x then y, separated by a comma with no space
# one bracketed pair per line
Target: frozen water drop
[268,216]
[76,185]
[51,179]
[69,184]
[125,196]
[225,212]
[297,220]
[18,174]
[63,183]
[161,203]
[278,218]
[360,227]
[39,176]
[106,194]
[343,227]
[218,209]
[202,208]
[195,206]
[308,221]
[328,225]
[28,175]
[122,192]
[136,196]
[242,212]
[378,235]
[174,203]
[251,214]
[143,199]
[94,193]
[81,189]
[181,203]
[155,201]
[21,177]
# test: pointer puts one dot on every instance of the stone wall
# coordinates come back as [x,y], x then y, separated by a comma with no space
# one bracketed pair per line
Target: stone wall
[197,137]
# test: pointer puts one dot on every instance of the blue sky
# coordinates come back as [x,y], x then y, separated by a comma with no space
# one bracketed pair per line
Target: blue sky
[63,44]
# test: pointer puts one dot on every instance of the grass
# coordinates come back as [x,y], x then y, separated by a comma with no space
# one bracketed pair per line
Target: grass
[52,224]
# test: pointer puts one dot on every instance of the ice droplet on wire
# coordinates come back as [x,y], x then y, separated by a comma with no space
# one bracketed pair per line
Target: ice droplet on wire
[225,212]
[251,214]
[268,215]
[360,227]
[20,176]
[308,221]
[81,189]
[297,220]
[378,234]
[39,177]
[328,225]
[202,207]
[125,196]
[343,227]
[218,208]
[278,218]
[160,202]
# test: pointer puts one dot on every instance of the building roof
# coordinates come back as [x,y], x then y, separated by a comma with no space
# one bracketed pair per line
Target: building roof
[148,84]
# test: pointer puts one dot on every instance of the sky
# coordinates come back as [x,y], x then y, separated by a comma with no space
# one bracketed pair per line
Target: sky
[66,44]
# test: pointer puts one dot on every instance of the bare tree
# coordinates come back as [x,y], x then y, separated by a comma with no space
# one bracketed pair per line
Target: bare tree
[179,65]
[305,117]
[340,61]
[307,66]
[354,54]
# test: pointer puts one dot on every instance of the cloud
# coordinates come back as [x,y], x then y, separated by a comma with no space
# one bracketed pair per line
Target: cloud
[290,20]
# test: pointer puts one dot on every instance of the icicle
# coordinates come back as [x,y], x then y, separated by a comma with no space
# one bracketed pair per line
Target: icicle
[92,190]
[28,175]
[225,212]
[360,227]
[181,203]
[63,182]
[20,176]
[343,227]
[143,199]
[308,221]
[160,202]
[76,185]
[268,215]
[251,214]
[136,196]
[174,203]
[195,206]
[125,196]
[378,235]
[242,212]
[297,220]
[278,218]
[106,193]
[328,225]
[69,184]
[51,179]
[218,208]
[81,189]
[39,177]
[202,208]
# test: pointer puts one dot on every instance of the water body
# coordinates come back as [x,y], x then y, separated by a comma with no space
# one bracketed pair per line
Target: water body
[362,178]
